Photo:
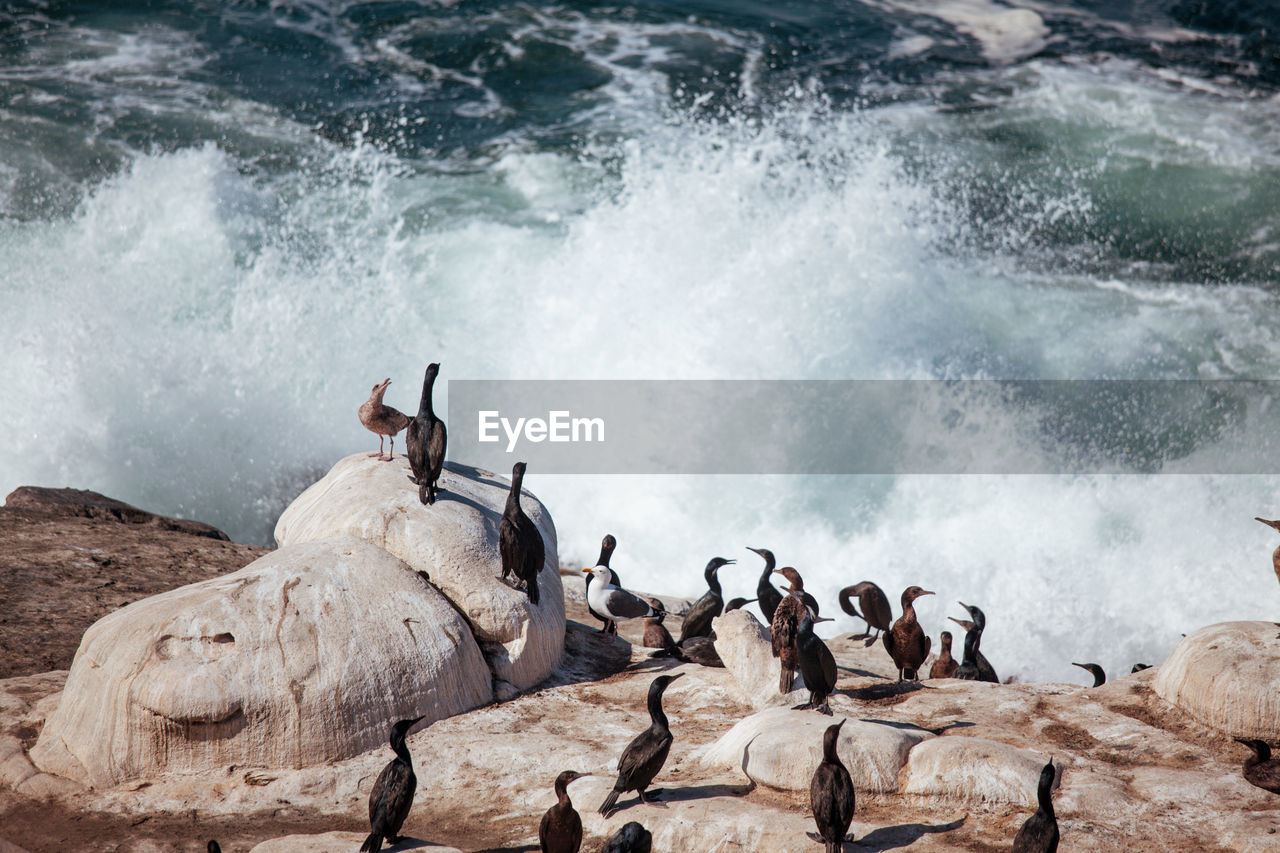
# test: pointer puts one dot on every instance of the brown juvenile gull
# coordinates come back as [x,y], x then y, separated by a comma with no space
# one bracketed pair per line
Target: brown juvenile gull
[382,419]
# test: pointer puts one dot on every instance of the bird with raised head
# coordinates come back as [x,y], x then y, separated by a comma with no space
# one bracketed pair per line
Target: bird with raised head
[392,794]
[380,418]
[906,641]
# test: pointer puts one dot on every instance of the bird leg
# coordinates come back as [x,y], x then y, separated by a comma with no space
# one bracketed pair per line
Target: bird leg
[393,450]
[379,453]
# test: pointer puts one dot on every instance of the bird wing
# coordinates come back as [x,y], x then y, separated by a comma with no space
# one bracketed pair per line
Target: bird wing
[437,441]
[828,665]
[508,547]
[414,448]
[697,622]
[887,636]
[785,622]
[621,604]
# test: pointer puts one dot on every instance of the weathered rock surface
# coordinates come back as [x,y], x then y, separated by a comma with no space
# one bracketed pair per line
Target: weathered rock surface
[747,651]
[1227,676]
[302,657]
[781,748]
[70,557]
[337,842]
[975,769]
[455,541]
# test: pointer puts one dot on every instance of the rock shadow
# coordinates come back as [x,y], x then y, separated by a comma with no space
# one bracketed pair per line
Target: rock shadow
[588,656]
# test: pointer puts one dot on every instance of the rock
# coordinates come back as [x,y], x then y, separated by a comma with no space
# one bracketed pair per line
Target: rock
[305,656]
[10,847]
[1225,677]
[747,651]
[781,748]
[71,557]
[455,541]
[975,769]
[338,842]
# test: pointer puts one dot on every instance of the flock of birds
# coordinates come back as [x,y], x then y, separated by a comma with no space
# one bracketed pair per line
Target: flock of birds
[791,615]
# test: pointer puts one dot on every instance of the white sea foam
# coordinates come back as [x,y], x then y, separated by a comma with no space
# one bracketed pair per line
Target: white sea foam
[197,336]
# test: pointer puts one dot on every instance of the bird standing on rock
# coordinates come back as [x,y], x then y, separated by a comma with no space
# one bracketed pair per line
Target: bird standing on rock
[697,622]
[607,546]
[906,641]
[561,827]
[786,622]
[382,419]
[392,794]
[645,755]
[974,666]
[1260,768]
[816,663]
[1040,833]
[519,541]
[425,442]
[831,795]
[610,600]
[945,666]
[656,636]
[875,609]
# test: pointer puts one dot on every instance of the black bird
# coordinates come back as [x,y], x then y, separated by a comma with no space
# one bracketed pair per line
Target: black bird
[1040,833]
[786,621]
[1139,667]
[766,593]
[561,827]
[945,665]
[607,544]
[519,540]
[1099,676]
[392,793]
[906,642]
[632,838]
[982,669]
[214,847]
[1260,768]
[831,794]
[697,622]
[699,650]
[425,442]
[737,604]
[875,609]
[816,664]
[645,755]
[656,635]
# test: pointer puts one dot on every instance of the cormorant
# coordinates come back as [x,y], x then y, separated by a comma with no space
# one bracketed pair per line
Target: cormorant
[766,594]
[737,604]
[1275,555]
[425,442]
[875,609]
[983,670]
[945,666]
[392,793]
[697,622]
[632,838]
[644,756]
[817,665]
[214,847]
[786,621]
[699,650]
[519,540]
[382,419]
[1260,768]
[1040,833]
[608,599]
[607,544]
[656,636]
[1139,667]
[906,641]
[831,796]
[1099,677]
[561,827]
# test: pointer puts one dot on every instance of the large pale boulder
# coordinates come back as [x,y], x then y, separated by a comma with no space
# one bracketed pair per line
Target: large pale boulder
[305,656]
[1225,677]
[747,651]
[781,748]
[975,769]
[455,541]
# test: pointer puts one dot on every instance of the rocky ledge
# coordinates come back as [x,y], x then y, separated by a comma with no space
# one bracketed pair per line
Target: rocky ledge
[1146,760]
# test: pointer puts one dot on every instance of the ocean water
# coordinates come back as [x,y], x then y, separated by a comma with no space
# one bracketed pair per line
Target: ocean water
[222,222]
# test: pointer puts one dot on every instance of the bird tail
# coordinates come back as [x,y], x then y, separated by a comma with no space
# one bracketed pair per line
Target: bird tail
[422,492]
[833,847]
[785,678]
[609,802]
[372,844]
[532,589]
[908,674]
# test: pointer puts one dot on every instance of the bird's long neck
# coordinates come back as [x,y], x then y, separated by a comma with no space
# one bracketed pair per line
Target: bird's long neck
[513,497]
[945,654]
[401,750]
[829,742]
[713,580]
[908,612]
[1044,793]
[562,792]
[971,641]
[656,714]
[606,553]
[425,409]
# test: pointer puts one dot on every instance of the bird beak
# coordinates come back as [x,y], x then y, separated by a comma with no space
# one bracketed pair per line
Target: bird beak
[927,592]
[756,550]
[587,571]
[823,619]
[1272,524]
[730,562]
